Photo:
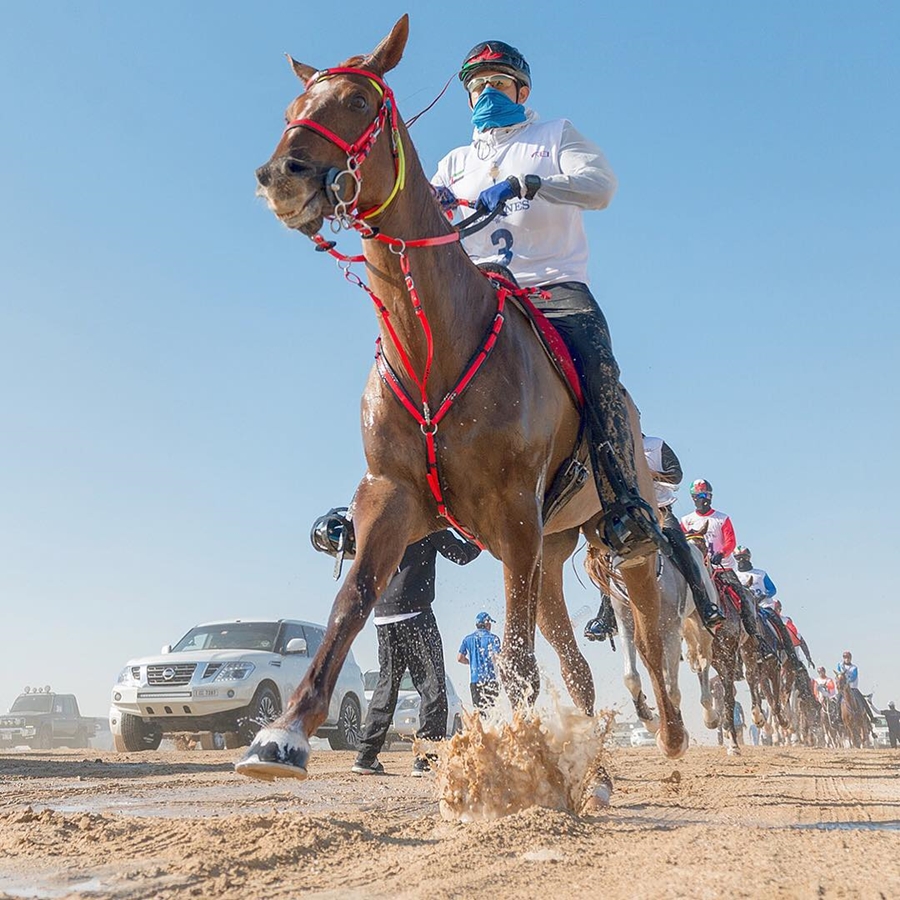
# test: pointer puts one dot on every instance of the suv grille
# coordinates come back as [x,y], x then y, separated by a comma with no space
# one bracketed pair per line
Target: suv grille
[211,669]
[177,674]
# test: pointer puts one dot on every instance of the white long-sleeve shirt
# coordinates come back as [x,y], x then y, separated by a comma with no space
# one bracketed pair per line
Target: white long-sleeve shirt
[542,241]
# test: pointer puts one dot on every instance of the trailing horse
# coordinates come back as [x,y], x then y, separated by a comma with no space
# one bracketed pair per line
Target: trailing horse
[678,619]
[465,420]
[854,716]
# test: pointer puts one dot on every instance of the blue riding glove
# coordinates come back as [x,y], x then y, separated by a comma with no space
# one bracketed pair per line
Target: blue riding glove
[445,197]
[498,194]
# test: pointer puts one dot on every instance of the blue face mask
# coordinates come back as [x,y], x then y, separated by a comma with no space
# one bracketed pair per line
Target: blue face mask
[495,110]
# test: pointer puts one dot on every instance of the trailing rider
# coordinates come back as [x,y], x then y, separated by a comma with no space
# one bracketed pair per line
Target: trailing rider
[721,541]
[667,475]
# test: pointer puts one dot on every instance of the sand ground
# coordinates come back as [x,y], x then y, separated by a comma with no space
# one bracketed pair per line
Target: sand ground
[771,823]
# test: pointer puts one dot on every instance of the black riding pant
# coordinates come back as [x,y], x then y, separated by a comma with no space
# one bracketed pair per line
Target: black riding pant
[413,644]
[577,317]
[484,694]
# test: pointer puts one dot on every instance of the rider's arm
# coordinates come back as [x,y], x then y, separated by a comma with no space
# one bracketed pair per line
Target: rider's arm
[452,548]
[671,466]
[769,586]
[461,656]
[586,179]
[728,539]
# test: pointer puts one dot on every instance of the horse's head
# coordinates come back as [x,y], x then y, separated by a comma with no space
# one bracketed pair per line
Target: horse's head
[345,116]
[698,538]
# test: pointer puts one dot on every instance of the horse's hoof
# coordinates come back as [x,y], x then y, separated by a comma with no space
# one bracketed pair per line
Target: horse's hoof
[734,751]
[712,721]
[651,724]
[275,753]
[673,752]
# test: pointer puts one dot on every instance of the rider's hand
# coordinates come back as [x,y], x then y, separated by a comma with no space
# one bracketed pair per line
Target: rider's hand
[445,197]
[716,559]
[498,194]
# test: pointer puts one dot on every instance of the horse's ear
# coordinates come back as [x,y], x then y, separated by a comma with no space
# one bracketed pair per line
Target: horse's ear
[388,53]
[304,73]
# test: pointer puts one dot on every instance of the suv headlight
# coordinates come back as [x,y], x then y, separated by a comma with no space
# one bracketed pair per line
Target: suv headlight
[408,703]
[126,676]
[234,671]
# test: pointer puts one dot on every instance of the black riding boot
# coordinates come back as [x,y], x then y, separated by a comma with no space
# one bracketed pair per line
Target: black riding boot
[709,612]
[604,624]
[629,526]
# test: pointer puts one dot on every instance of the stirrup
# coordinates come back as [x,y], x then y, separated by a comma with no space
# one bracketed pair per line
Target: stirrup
[601,628]
[710,615]
[631,532]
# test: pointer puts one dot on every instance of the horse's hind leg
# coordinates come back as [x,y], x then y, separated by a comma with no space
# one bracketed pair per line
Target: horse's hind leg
[384,519]
[631,676]
[555,624]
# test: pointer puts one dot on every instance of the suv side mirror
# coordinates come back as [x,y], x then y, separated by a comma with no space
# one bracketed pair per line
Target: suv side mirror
[166,649]
[296,645]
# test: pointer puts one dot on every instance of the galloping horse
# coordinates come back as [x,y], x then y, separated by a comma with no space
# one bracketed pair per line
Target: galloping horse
[730,644]
[853,715]
[678,618]
[465,420]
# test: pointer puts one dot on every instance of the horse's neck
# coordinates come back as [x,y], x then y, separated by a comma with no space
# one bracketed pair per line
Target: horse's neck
[457,299]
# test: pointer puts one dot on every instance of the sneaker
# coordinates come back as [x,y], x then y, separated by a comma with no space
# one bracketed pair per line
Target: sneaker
[421,766]
[367,767]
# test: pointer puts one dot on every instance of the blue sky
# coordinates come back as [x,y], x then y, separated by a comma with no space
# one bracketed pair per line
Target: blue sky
[182,374]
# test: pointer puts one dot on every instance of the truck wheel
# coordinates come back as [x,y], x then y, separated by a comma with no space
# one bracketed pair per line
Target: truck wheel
[44,739]
[136,736]
[263,709]
[349,729]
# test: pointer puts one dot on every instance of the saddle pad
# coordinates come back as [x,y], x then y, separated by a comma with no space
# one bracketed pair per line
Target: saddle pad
[553,345]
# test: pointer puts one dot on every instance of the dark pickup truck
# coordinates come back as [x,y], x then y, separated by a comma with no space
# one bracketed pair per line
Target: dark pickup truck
[43,719]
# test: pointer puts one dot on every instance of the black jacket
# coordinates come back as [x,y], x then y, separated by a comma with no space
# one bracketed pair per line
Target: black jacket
[412,587]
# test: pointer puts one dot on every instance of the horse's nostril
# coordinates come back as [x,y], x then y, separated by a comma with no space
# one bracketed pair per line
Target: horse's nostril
[264,175]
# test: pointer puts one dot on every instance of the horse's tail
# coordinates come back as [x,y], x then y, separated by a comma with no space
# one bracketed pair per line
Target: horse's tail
[600,571]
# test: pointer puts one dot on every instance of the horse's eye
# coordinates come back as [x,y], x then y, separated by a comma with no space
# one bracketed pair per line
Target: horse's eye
[358,101]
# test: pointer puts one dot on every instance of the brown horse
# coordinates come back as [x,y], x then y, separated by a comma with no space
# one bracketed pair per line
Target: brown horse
[730,645]
[499,447]
[853,715]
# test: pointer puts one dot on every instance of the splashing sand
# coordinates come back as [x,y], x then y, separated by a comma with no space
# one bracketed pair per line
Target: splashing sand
[499,766]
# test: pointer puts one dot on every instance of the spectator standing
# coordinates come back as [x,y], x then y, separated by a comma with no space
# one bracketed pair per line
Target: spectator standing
[478,651]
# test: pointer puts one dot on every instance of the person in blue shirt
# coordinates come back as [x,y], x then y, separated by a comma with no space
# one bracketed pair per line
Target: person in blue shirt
[477,651]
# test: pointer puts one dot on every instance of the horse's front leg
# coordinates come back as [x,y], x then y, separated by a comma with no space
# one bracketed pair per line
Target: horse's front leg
[520,551]
[555,624]
[732,749]
[643,592]
[630,675]
[384,520]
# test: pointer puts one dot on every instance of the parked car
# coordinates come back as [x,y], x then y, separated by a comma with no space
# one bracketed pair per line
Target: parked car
[640,737]
[43,719]
[880,729]
[229,677]
[406,716]
[620,734]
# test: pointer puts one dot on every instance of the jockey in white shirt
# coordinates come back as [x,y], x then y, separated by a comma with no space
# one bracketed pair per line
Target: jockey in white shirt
[544,174]
[757,581]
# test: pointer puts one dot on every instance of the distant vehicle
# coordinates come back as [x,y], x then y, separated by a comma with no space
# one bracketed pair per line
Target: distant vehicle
[640,737]
[880,729]
[620,734]
[229,677]
[43,719]
[406,716]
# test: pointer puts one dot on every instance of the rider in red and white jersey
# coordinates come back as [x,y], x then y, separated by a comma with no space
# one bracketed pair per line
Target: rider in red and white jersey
[825,687]
[720,539]
[797,639]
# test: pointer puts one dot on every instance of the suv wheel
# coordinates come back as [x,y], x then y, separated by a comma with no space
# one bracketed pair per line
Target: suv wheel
[349,727]
[136,736]
[44,738]
[263,709]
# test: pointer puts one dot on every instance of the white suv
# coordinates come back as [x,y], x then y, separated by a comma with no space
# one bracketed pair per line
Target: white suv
[229,678]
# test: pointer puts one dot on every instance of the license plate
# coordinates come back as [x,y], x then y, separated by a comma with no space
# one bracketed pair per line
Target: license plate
[5,737]
[206,692]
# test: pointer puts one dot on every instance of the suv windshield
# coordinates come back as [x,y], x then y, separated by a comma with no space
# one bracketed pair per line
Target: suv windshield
[230,636]
[31,703]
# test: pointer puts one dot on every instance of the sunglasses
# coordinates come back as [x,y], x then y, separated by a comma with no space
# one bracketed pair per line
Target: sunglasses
[498,82]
